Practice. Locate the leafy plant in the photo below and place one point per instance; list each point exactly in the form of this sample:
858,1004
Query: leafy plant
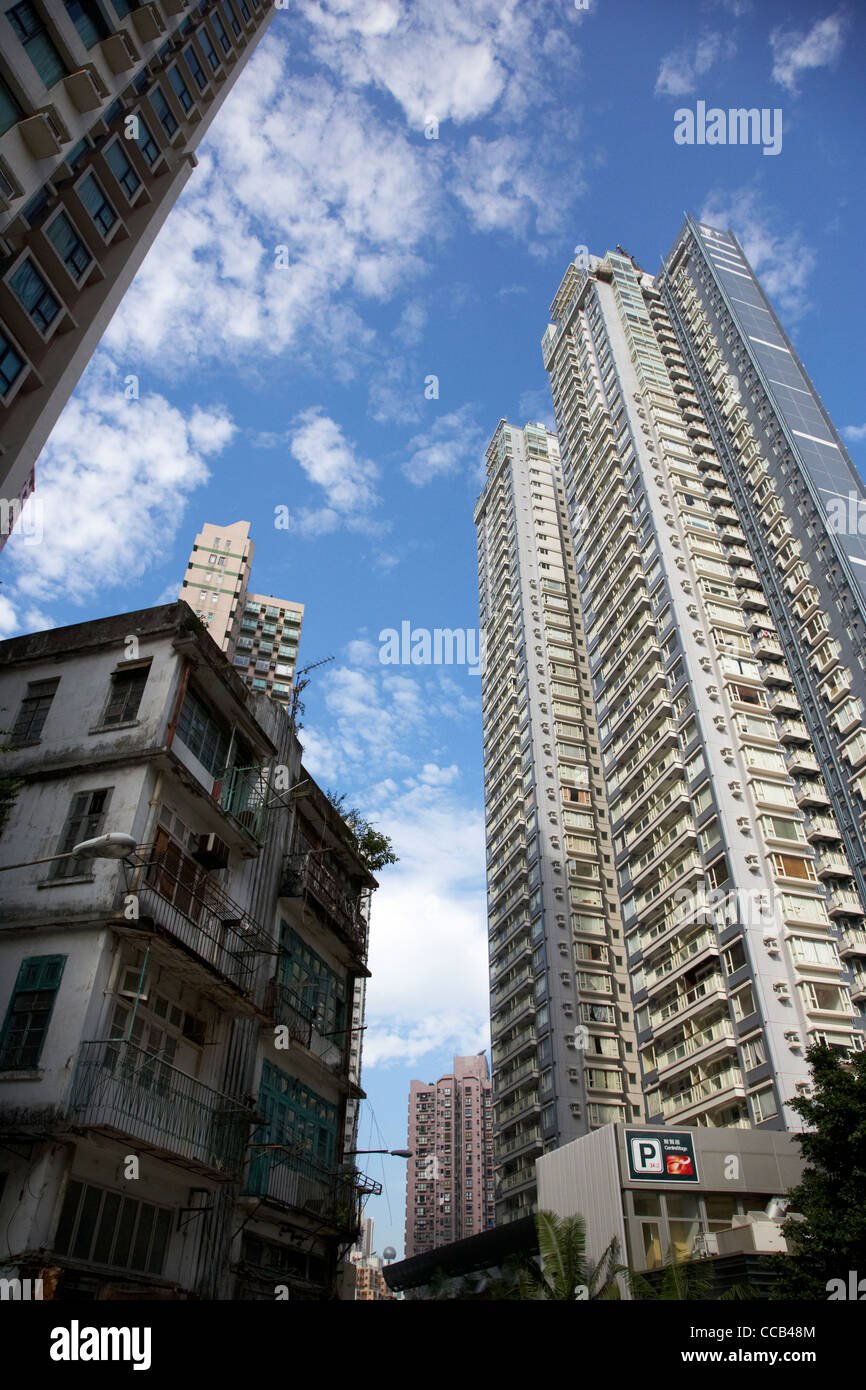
831,1195
373,848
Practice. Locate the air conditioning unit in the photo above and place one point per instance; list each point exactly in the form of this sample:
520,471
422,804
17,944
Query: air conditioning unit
211,852
574,1107
781,989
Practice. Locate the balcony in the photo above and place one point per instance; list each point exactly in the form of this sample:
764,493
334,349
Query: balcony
710,990
831,864
285,1177
721,1032
179,900
242,792
822,828
841,903
719,1089
128,1093
308,878
853,942
811,793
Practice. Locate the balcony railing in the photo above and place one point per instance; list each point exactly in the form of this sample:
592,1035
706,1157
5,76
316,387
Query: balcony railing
307,876
242,792
184,903
289,1009
127,1091
286,1178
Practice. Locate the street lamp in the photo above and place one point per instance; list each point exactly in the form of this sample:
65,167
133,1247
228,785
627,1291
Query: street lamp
395,1153
114,845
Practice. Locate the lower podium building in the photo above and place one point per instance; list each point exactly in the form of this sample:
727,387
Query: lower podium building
680,1193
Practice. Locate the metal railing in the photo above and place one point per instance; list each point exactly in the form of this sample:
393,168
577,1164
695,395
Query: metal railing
183,900
128,1091
243,794
306,875
280,1174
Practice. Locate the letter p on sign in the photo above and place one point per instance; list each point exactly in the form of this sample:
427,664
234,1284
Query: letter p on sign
646,1156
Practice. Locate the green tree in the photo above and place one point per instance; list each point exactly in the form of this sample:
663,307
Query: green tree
374,848
831,1195
565,1273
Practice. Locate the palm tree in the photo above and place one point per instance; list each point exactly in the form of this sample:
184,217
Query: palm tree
564,1272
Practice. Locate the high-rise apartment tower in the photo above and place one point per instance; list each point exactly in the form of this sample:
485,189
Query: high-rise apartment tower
449,1178
258,633
102,106
564,1051
725,717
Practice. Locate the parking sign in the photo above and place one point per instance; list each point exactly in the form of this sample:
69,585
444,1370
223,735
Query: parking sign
656,1156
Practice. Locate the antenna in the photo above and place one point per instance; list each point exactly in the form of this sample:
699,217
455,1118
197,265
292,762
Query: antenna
299,685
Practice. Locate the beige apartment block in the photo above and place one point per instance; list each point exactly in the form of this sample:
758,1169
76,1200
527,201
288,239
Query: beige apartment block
258,633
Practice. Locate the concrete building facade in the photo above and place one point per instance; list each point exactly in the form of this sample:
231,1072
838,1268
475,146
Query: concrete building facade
739,902
175,1058
102,107
563,1043
449,1178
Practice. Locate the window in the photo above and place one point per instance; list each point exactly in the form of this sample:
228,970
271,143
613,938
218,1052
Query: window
29,1012
11,364
37,43
33,294
208,49
85,820
204,736
69,246
164,113
34,710
10,111
195,67
110,1228
88,20
146,143
124,699
231,17
96,203
219,30
121,168
764,1105
181,90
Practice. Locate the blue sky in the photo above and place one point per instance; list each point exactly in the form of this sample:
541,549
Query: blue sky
408,257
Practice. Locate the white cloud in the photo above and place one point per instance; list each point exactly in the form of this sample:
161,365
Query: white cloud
776,251
114,479
796,51
455,60
347,481
428,937
504,185
536,407
453,442
296,172
680,70
855,433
